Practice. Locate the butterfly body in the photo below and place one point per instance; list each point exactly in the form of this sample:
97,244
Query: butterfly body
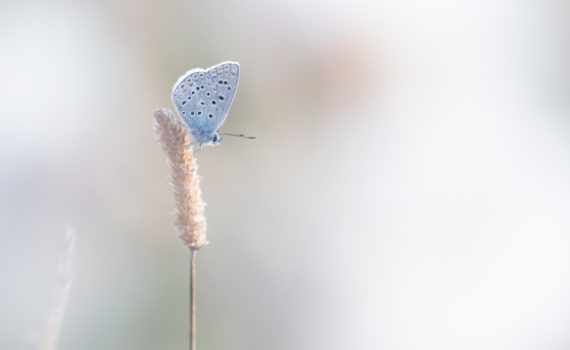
203,97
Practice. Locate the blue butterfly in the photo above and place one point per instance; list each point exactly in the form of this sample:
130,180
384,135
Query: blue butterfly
203,98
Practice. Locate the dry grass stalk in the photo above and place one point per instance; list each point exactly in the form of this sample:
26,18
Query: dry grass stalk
190,219
175,141
51,332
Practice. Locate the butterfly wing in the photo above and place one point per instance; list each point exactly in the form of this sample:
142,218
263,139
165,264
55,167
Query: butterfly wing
195,97
225,77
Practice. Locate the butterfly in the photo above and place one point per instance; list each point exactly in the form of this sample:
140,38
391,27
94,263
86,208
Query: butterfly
203,98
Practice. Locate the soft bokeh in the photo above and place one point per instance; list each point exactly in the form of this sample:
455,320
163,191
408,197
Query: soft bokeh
409,187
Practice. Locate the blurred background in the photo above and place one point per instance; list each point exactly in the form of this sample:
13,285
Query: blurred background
409,187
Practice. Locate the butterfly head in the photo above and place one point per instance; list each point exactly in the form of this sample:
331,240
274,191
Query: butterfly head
216,139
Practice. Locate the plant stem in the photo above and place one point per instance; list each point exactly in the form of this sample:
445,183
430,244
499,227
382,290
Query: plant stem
192,298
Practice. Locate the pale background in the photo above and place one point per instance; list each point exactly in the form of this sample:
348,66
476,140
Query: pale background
409,187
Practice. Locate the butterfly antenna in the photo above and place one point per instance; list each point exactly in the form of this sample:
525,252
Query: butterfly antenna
240,135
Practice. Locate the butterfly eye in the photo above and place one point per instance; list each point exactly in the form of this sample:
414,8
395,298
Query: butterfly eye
215,139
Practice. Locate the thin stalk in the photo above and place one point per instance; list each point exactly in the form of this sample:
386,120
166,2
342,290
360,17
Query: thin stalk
192,298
